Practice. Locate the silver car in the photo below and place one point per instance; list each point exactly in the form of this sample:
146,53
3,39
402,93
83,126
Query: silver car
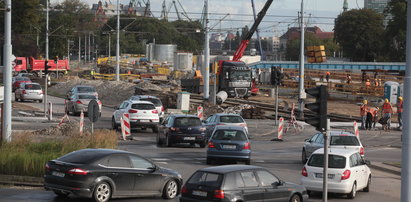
83,90
223,119
29,91
79,102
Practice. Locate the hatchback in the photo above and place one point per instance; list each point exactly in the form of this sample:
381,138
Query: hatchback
102,174
82,89
153,99
29,91
338,139
239,183
229,143
179,128
347,172
143,115
18,81
223,119
79,102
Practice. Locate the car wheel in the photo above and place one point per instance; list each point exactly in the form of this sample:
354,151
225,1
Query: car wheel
170,190
61,194
353,192
40,101
367,188
159,141
203,144
155,129
295,198
208,161
248,162
304,157
114,124
102,192
74,112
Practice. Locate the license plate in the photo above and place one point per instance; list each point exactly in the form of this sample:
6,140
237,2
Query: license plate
320,175
229,147
189,138
145,121
58,174
200,193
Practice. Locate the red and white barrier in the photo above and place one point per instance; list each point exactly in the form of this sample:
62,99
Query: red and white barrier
200,112
125,125
280,128
62,119
50,111
356,131
81,122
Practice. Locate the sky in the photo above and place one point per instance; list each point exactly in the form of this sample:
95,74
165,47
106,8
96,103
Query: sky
281,15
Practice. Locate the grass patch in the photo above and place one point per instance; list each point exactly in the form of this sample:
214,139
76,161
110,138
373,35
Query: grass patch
27,155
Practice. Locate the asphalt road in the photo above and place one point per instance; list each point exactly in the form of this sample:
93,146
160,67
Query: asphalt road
282,158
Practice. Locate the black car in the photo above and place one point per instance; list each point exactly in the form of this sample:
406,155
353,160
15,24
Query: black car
239,183
102,174
179,128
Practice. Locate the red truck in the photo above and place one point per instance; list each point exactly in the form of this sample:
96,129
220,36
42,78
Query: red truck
31,65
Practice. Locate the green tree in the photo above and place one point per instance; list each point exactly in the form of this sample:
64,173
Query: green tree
360,33
396,30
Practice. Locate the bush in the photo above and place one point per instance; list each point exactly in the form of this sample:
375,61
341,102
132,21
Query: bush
27,155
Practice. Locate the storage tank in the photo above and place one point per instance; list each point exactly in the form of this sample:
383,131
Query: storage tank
183,61
150,51
164,52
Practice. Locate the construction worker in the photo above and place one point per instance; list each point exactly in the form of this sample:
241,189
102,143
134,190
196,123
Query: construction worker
349,79
363,113
375,116
399,111
367,84
327,76
386,112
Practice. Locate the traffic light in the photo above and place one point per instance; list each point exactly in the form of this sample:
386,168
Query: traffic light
276,76
319,121
46,67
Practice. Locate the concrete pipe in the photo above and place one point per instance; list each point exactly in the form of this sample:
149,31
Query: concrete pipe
221,97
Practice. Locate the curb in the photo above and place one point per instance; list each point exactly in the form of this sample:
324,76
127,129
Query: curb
386,168
21,180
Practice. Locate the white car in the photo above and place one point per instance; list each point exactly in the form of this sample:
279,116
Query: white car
143,114
155,100
347,172
29,91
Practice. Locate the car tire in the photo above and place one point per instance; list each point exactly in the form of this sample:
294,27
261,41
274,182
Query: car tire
40,101
303,157
367,188
353,192
114,124
295,198
170,190
61,194
155,129
248,162
102,192
15,98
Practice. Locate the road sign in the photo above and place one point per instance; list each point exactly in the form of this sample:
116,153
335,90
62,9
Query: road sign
93,111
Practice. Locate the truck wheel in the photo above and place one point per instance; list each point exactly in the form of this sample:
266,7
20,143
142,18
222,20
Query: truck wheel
53,75
61,75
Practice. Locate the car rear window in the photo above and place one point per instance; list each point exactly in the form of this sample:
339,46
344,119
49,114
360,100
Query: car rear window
229,135
22,79
187,121
80,157
91,97
231,119
206,179
334,161
143,106
32,87
344,140
156,102
85,89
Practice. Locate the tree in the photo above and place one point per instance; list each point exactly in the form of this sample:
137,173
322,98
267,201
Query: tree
395,33
360,34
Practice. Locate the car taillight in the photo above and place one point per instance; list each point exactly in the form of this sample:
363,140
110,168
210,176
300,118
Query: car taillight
219,194
346,175
243,125
174,129
77,171
99,102
154,112
47,167
42,92
184,189
132,111
211,145
24,91
362,151
162,108
247,145
304,172
79,102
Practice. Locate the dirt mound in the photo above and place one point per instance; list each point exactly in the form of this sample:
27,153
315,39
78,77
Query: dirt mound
65,129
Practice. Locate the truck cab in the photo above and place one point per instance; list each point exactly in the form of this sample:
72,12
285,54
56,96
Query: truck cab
235,79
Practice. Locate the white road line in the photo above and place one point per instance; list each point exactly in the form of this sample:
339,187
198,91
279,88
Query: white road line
159,159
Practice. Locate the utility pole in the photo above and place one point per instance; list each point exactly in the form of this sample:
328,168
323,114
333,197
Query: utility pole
118,43
109,46
301,93
47,58
79,50
325,167
89,47
85,47
68,51
7,50
406,143
206,63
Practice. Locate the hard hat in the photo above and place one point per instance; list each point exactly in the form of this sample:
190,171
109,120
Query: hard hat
365,101
400,98
328,73
386,100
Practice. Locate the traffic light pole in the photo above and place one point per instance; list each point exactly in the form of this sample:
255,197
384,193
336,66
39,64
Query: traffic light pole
301,93
47,58
7,74
325,171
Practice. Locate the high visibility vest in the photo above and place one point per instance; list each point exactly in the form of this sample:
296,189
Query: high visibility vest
399,106
386,108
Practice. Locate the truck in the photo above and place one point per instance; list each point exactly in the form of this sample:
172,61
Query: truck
35,66
234,76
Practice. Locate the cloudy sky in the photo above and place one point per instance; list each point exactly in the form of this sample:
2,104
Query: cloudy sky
281,15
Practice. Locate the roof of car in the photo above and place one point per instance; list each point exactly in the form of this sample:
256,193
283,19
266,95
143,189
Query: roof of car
104,151
229,127
226,114
183,115
143,96
84,86
31,83
229,168
337,133
336,151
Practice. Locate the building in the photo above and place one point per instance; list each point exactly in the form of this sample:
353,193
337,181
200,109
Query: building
104,11
294,33
377,5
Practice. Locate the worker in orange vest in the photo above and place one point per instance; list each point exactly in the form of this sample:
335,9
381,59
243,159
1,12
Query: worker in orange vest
327,76
387,112
374,113
399,111
368,84
363,113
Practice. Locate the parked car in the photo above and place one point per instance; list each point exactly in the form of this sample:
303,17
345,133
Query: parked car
229,143
347,172
338,139
143,114
29,91
25,75
223,119
239,183
155,100
102,174
82,89
18,81
79,102
179,128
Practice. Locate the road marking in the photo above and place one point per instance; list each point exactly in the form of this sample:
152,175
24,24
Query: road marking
162,162
159,159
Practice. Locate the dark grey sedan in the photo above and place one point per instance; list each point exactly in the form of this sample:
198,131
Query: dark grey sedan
230,143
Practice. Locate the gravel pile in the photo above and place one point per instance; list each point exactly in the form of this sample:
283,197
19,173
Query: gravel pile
65,129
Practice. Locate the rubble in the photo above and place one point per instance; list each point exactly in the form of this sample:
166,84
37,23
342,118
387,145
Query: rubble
65,129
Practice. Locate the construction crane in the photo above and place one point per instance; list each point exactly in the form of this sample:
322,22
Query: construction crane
165,12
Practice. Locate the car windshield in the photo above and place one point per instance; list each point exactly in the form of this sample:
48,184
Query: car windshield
334,161
81,157
85,89
32,87
156,102
206,179
231,119
187,122
240,75
229,135
143,106
344,140
87,97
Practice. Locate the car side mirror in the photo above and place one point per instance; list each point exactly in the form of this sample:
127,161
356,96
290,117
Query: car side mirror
153,168
276,184
307,140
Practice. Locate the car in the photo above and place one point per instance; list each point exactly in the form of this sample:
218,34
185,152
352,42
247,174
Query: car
79,102
239,183
155,100
82,89
103,174
25,75
223,119
229,143
29,91
180,128
348,172
18,81
143,114
338,139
